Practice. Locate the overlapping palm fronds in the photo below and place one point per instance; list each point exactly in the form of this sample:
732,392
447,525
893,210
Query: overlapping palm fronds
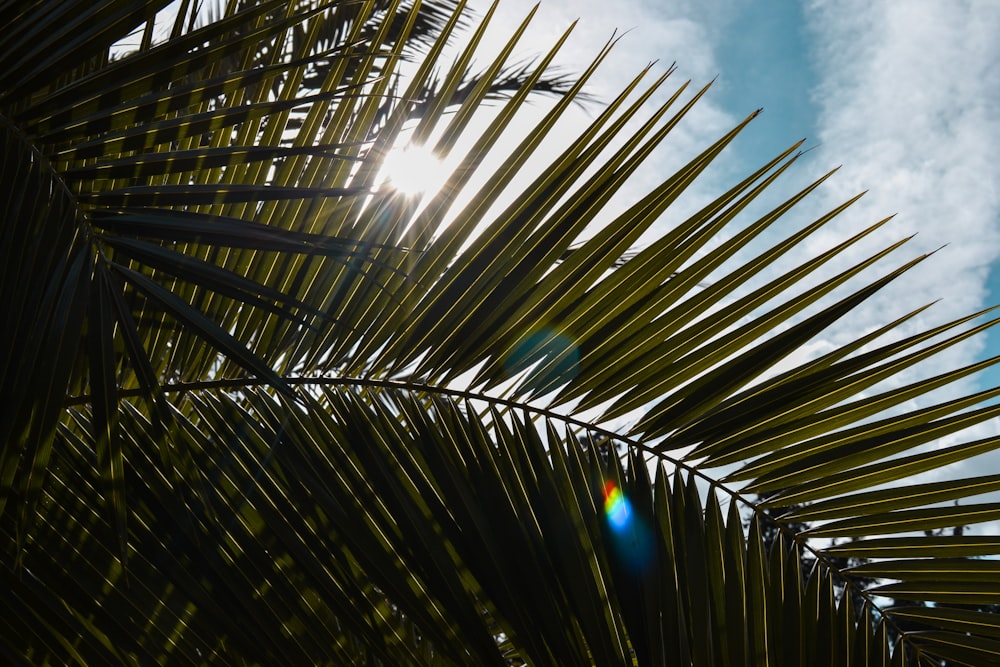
261,408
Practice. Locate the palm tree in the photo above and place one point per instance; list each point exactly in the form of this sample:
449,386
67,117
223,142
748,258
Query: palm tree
262,407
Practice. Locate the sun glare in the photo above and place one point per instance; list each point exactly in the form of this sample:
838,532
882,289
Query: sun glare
413,169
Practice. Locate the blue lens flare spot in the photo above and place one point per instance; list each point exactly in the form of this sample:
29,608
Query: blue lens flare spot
616,507
630,537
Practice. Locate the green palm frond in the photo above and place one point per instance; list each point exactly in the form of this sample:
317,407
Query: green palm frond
260,407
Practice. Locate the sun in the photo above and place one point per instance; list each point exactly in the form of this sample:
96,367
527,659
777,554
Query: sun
413,169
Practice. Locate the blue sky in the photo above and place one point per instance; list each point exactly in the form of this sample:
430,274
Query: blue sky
764,62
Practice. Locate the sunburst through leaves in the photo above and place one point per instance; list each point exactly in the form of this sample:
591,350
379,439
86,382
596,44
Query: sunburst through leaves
414,169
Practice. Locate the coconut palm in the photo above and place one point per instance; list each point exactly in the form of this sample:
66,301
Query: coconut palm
263,407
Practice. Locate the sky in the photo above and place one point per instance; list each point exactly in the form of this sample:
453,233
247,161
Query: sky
902,95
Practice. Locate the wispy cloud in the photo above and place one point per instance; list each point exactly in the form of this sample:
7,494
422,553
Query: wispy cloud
908,93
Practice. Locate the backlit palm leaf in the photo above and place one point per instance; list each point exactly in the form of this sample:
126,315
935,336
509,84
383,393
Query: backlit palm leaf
262,408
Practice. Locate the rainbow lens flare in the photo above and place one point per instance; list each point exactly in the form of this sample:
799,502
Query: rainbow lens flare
616,506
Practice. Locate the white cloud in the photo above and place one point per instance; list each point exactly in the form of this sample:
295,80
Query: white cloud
905,97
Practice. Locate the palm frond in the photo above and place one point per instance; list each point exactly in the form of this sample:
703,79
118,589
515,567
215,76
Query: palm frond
260,407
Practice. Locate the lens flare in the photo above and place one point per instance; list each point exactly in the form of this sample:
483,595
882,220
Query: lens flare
550,357
631,539
616,506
